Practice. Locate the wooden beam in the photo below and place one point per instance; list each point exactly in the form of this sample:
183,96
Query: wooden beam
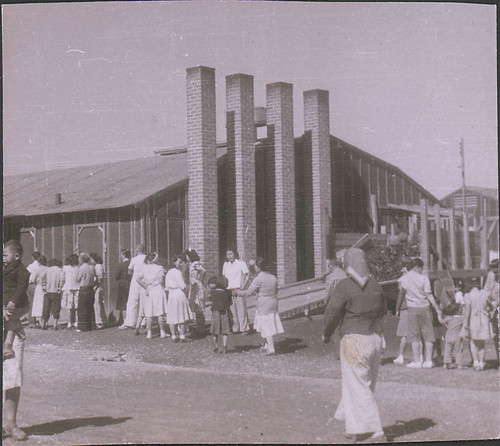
492,228
374,212
439,243
424,234
453,246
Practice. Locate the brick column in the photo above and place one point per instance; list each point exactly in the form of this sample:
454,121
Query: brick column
280,132
202,165
317,121
241,136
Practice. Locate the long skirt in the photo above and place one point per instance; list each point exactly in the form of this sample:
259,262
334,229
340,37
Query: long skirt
178,310
360,359
268,324
37,309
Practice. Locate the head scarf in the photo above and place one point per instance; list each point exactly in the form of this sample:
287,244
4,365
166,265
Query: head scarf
356,267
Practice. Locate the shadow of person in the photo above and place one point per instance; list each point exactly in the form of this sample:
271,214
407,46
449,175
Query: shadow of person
242,348
401,428
59,426
290,345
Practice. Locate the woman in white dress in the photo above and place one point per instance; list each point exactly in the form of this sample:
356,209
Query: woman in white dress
151,278
178,311
39,278
267,319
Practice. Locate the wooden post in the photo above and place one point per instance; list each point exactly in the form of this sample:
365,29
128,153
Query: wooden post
453,246
424,234
393,229
439,243
374,212
467,262
484,236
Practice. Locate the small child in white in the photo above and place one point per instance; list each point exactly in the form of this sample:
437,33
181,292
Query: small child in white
452,319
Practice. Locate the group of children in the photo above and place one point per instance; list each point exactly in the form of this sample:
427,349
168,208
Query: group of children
470,317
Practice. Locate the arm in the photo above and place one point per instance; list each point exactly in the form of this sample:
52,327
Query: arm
401,296
252,289
334,312
22,281
430,297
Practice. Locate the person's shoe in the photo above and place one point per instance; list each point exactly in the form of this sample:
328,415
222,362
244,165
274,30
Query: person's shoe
377,437
482,365
17,433
175,338
273,353
163,335
143,324
149,335
400,360
99,326
78,330
124,327
428,365
414,365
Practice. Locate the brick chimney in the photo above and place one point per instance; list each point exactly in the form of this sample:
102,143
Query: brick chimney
202,165
279,98
241,136
317,122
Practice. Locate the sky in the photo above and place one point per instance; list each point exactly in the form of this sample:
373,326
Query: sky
86,83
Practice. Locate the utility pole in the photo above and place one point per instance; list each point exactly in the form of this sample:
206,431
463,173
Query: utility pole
467,264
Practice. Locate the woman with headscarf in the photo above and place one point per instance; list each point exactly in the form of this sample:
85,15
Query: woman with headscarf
358,305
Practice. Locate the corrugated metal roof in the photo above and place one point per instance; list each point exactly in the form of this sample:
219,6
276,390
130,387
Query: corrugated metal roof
104,186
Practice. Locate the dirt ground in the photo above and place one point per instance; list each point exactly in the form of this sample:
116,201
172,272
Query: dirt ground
112,387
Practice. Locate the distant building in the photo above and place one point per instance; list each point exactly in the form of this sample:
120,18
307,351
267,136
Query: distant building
284,198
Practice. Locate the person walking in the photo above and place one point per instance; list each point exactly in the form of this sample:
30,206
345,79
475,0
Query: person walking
123,278
267,319
358,305
136,292
236,272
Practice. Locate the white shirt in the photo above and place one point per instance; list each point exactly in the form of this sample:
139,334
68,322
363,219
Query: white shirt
417,287
68,277
235,273
136,264
32,268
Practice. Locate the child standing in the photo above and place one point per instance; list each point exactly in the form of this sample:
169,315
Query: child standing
453,321
39,278
52,298
221,299
70,289
15,299
477,325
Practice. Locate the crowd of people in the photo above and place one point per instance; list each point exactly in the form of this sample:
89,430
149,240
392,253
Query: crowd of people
177,299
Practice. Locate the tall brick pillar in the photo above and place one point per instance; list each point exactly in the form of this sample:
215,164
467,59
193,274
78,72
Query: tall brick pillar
279,99
317,122
202,165
241,136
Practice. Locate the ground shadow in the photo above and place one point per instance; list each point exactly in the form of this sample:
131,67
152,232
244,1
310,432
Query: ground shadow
385,361
401,428
290,345
59,426
242,348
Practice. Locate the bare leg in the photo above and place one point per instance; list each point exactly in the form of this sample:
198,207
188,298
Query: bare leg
161,323
474,353
182,331
481,352
172,331
270,344
216,342
149,325
428,352
402,346
11,403
416,347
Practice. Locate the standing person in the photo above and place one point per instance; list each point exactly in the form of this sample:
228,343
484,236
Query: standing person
402,314
15,285
236,273
70,289
85,276
477,325
221,300
491,287
52,299
152,279
99,310
177,304
196,298
332,279
32,267
39,278
136,292
358,305
123,278
267,319
417,289
453,320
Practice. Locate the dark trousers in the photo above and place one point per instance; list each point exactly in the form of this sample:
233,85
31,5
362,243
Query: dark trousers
86,315
51,301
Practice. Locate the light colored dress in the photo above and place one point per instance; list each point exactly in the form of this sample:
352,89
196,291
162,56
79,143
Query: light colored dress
40,279
155,302
178,310
70,288
477,324
267,319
